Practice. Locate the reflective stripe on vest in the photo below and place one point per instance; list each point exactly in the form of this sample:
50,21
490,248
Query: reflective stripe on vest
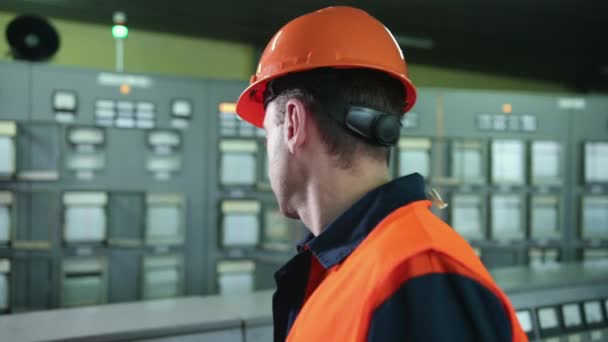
342,306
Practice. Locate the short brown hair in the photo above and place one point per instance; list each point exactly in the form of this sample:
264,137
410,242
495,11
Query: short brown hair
322,90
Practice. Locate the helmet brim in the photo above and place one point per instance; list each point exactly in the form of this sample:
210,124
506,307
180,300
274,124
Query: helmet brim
250,105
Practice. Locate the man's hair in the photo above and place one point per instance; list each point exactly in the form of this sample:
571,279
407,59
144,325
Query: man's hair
327,89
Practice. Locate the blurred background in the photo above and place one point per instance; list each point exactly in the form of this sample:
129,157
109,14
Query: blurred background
126,177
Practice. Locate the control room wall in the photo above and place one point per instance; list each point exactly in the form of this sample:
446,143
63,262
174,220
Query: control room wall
91,45
433,76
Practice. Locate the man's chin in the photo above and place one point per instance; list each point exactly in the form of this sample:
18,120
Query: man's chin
290,213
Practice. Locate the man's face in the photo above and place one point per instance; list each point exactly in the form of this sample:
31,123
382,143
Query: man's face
283,179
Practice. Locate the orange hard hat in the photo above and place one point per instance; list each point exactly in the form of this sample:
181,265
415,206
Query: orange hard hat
335,37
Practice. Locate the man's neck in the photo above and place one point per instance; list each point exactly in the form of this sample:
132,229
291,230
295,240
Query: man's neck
333,191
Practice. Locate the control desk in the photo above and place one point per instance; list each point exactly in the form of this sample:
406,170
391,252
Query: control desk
564,302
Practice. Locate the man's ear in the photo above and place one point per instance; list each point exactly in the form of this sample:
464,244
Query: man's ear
295,124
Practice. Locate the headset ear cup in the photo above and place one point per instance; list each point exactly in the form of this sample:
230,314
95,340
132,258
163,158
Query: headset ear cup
361,121
376,127
387,129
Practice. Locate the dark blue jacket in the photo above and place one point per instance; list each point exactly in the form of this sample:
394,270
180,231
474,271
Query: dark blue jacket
433,307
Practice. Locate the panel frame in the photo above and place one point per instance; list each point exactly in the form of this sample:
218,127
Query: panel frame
24,201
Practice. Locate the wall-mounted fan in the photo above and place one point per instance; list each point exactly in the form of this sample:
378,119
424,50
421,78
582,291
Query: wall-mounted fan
32,38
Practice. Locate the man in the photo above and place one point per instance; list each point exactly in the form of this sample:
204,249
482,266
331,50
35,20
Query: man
330,90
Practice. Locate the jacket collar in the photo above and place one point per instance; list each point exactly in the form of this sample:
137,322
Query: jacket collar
341,237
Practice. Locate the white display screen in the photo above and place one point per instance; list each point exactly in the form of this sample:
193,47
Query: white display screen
528,123
593,312
525,320
546,160
466,217
63,100
85,224
535,256
596,162
5,224
514,123
7,156
595,254
276,226
484,122
164,138
506,217
3,291
240,229
125,106
145,107
544,221
595,217
86,136
412,161
164,164
238,168
547,318
181,108
162,283
235,283
467,164
81,290
163,221
508,161
552,255
410,120
572,315
500,122
86,161
162,276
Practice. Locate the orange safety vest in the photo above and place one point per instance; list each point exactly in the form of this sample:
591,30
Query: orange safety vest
340,309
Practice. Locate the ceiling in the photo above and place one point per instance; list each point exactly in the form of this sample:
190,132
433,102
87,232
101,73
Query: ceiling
563,41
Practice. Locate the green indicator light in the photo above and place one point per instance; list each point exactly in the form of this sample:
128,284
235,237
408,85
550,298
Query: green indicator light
120,31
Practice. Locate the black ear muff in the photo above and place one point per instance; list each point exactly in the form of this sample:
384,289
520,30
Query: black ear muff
387,129
377,127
